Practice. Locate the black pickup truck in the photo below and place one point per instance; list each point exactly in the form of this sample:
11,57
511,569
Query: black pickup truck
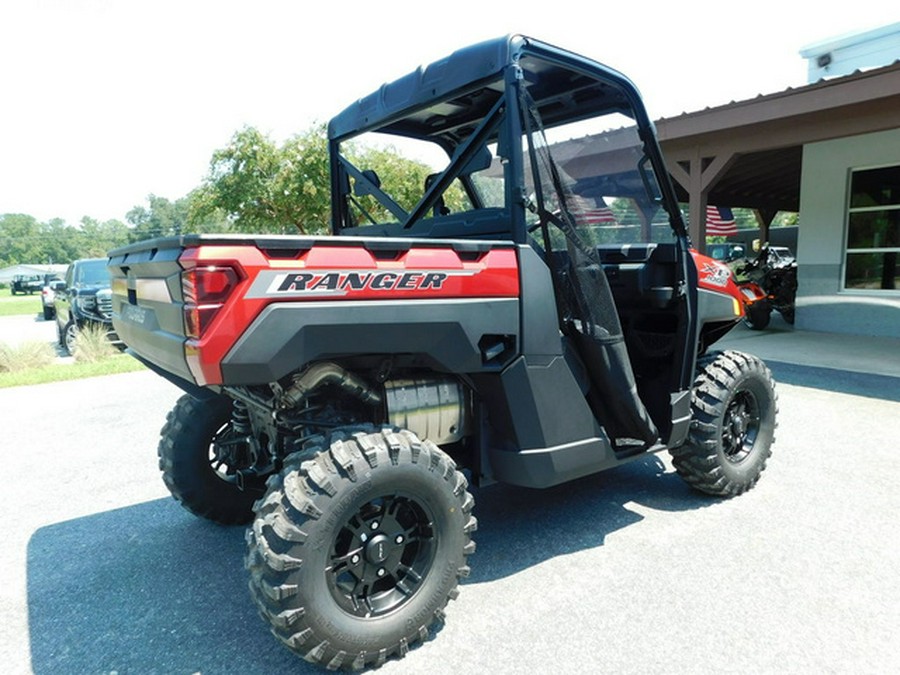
26,284
83,299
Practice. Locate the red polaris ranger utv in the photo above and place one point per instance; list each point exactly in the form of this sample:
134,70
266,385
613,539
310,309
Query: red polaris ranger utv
532,314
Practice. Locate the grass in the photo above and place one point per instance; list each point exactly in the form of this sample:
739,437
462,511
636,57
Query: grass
35,362
18,305
56,372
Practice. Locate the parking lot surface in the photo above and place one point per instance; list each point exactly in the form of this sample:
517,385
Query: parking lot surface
15,330
628,571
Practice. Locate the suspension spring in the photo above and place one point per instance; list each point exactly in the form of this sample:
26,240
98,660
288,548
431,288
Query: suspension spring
240,419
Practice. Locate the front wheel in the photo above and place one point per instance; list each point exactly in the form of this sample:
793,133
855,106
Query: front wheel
358,545
757,315
69,338
734,406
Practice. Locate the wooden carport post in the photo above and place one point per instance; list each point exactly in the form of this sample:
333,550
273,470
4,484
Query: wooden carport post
698,176
764,217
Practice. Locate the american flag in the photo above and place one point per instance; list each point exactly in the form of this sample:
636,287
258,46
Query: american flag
720,221
598,216
588,212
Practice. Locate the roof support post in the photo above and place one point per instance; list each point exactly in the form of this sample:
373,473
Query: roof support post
698,175
764,217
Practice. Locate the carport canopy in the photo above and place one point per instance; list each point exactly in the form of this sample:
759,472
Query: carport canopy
748,154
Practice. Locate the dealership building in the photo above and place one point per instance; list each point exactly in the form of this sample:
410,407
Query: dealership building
829,150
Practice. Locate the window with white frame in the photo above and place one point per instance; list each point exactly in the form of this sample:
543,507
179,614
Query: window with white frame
873,230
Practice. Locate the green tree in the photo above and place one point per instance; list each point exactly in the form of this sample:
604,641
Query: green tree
20,239
786,219
402,178
263,187
96,239
59,242
159,218
25,240
203,216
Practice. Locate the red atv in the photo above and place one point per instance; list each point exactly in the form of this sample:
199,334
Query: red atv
531,315
767,283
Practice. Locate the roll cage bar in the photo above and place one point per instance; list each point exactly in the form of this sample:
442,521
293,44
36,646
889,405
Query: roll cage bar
470,98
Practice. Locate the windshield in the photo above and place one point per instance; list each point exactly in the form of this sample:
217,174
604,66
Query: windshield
92,273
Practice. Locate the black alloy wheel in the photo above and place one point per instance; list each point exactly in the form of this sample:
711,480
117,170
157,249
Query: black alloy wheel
382,555
734,408
358,545
740,426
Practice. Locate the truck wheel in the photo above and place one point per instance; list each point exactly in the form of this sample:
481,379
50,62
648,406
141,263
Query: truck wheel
48,313
757,315
734,406
355,552
70,338
200,467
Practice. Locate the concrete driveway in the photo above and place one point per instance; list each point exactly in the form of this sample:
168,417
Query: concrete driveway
624,572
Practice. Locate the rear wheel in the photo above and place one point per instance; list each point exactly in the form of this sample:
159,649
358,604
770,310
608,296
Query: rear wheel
358,545
734,406
205,464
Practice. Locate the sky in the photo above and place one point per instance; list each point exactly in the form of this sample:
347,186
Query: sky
104,102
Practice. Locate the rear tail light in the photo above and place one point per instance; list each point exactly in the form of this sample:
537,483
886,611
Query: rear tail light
205,290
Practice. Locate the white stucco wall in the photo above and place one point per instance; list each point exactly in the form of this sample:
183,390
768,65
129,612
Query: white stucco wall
845,54
822,305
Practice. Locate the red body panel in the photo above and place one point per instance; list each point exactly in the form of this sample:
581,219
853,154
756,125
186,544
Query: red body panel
717,277
337,273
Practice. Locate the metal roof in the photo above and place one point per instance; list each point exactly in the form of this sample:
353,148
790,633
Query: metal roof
755,147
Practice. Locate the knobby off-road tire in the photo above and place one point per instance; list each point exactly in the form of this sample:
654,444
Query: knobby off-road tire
189,467
358,545
734,407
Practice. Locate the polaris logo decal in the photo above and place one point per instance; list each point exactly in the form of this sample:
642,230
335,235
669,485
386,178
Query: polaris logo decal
715,274
337,283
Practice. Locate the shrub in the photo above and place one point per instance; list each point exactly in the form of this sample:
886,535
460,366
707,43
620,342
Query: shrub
25,356
92,346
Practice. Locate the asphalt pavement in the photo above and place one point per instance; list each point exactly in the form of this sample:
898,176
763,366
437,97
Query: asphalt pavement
15,330
628,571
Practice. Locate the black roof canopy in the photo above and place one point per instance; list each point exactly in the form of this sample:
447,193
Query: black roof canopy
445,100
